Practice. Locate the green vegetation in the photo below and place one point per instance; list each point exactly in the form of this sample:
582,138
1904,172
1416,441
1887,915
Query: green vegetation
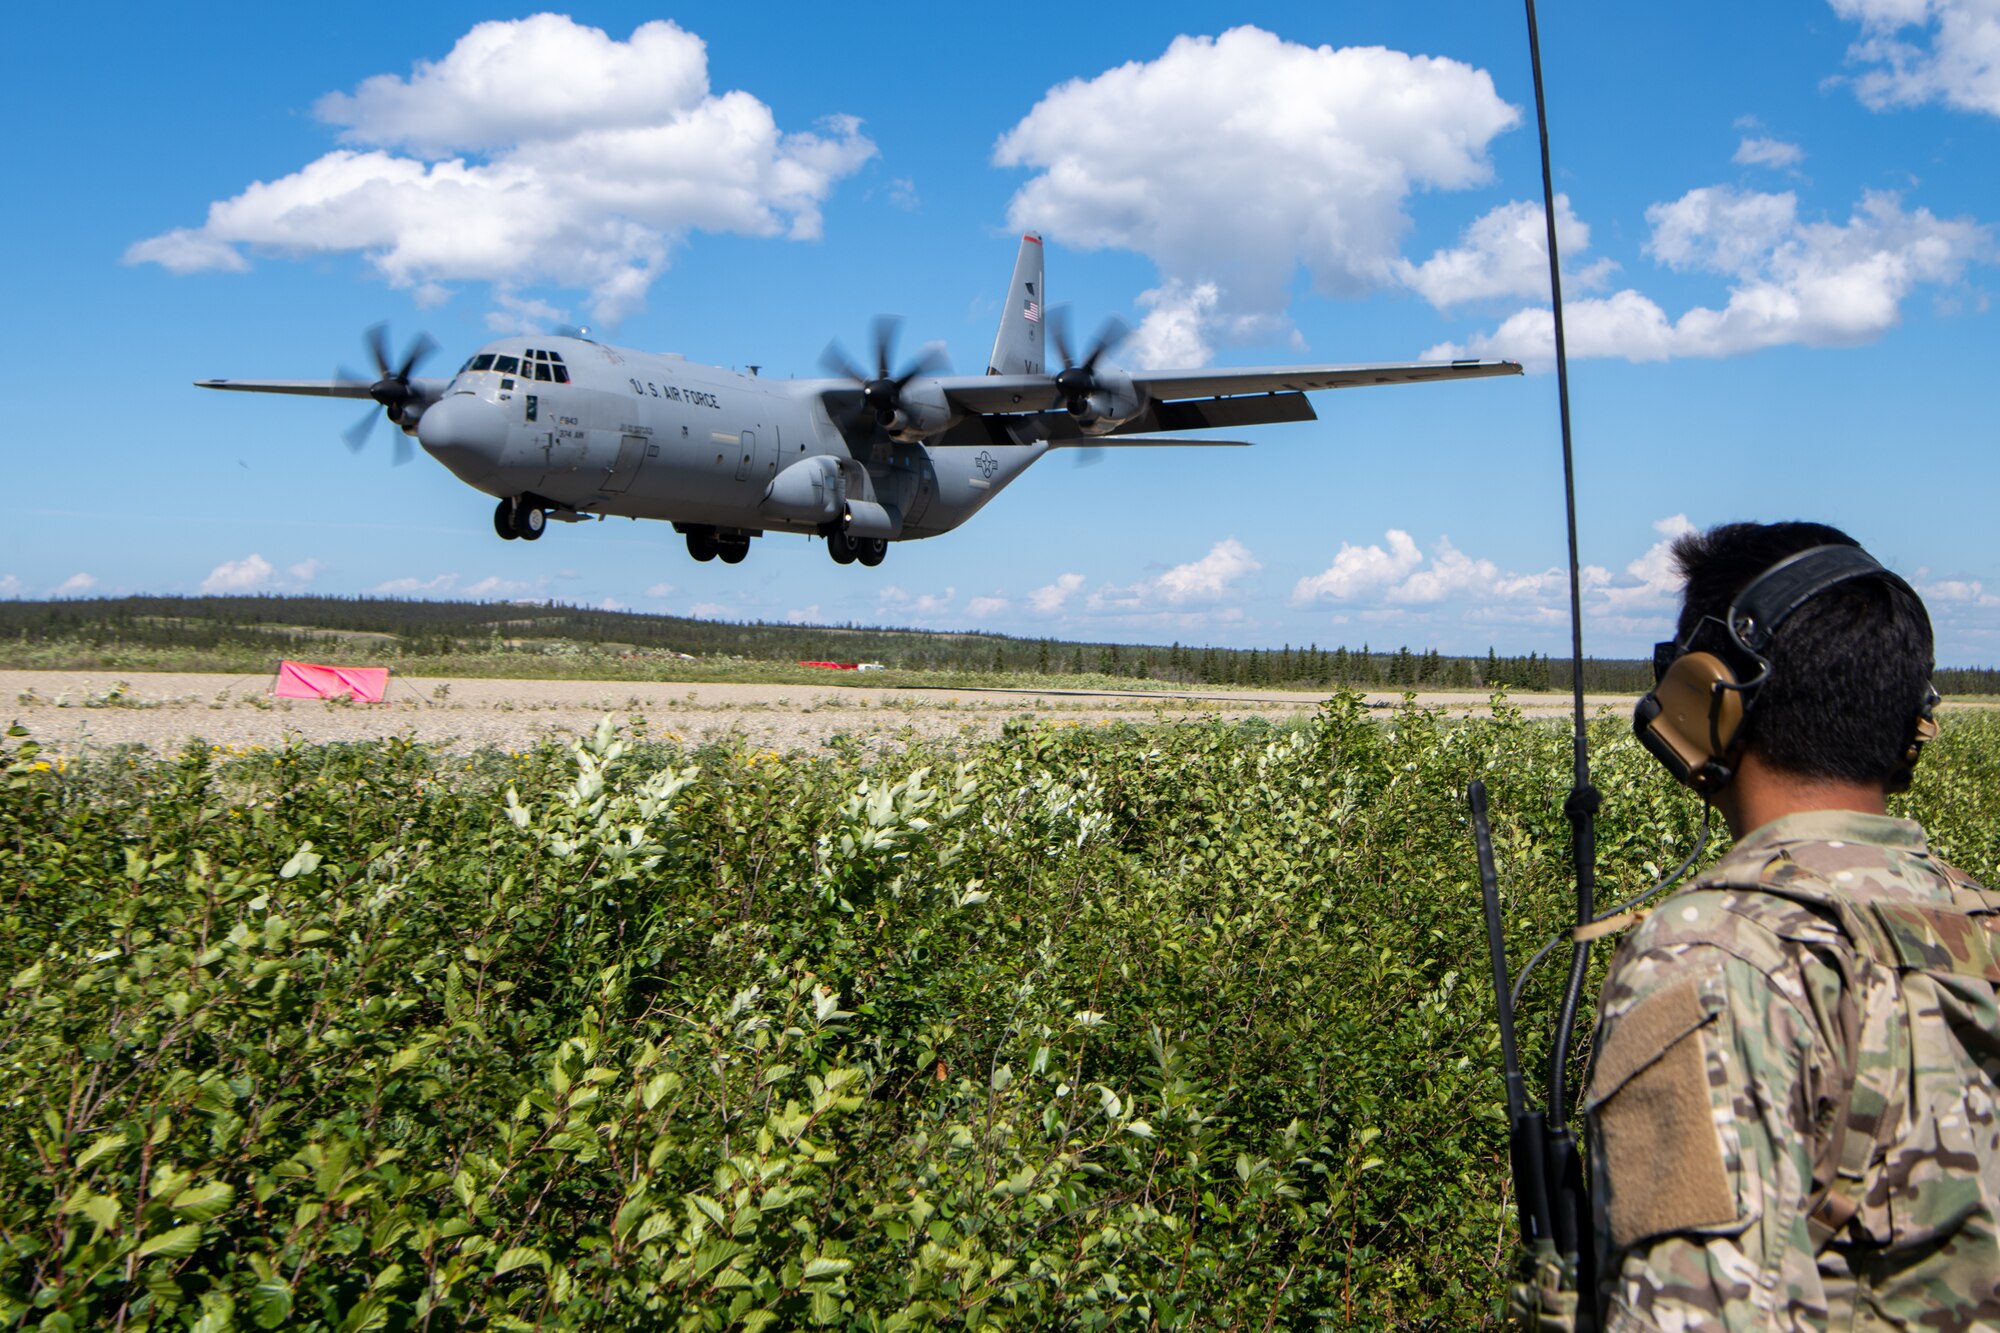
1177,1026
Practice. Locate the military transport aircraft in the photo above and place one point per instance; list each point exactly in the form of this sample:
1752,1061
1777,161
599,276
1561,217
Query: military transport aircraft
568,428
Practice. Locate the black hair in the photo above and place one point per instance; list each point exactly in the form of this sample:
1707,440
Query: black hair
1850,669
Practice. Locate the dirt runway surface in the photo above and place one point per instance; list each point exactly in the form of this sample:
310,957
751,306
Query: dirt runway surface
70,712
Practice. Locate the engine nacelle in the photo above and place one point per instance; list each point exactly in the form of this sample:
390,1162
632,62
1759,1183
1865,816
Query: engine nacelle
1113,400
921,411
811,489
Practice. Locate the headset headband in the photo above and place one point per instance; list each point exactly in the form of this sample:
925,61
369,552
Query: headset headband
1760,609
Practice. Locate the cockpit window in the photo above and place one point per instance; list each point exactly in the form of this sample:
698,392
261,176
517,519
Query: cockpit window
467,366
484,361
562,373
507,365
542,371
556,357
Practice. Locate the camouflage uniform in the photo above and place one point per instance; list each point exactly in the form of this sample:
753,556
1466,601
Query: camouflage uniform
1792,1108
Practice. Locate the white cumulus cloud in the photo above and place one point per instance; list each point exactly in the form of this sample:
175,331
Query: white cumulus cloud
1657,582
1955,58
1453,575
10,585
1392,582
1359,570
1760,151
1209,579
493,586
901,602
1959,591
1506,253
1721,229
1236,160
76,585
539,150
805,615
1821,284
982,607
245,575
1053,597
415,587
660,590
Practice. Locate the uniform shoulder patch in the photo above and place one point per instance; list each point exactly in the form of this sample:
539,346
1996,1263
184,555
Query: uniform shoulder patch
1650,1096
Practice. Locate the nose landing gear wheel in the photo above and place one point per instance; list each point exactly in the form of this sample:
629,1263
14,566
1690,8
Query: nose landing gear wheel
870,550
842,548
529,522
732,552
701,545
503,521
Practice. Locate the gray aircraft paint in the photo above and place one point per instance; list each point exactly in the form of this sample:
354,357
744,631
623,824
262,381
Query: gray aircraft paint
654,435
1018,346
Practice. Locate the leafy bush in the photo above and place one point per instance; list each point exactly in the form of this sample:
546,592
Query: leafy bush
1181,1025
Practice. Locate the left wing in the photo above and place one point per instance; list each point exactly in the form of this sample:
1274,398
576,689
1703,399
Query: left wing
1036,393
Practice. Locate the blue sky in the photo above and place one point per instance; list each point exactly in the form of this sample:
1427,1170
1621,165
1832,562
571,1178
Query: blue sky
1779,228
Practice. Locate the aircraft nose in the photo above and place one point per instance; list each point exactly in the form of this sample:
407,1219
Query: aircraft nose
465,433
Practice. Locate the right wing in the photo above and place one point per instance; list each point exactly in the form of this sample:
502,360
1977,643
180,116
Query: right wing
316,388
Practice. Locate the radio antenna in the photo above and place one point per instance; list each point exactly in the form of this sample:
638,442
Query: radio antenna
1548,1170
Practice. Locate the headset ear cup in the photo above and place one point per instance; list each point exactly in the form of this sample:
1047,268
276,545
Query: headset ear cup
1922,732
1692,720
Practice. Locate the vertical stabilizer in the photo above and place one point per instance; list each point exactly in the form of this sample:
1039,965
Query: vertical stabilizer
1017,349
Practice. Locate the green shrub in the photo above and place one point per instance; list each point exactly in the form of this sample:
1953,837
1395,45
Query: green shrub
1176,1025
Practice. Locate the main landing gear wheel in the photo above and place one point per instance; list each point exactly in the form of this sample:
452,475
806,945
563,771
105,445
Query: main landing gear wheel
701,545
529,522
503,521
870,550
733,551
843,548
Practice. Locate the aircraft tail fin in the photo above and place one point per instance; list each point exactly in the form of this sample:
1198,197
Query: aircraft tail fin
1017,349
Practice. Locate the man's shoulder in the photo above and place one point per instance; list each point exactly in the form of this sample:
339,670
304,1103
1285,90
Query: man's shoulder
1792,895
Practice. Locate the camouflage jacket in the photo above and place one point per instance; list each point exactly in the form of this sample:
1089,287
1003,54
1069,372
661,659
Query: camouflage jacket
1792,1105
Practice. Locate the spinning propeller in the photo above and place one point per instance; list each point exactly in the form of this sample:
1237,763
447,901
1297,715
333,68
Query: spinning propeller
391,389
1078,380
881,396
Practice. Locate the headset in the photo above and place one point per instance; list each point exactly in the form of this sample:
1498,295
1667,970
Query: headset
1695,718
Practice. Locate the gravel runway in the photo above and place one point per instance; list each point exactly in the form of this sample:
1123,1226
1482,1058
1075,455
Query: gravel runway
70,712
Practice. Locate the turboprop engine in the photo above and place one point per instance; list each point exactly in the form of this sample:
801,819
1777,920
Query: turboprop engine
1113,400
918,411
1099,400
909,407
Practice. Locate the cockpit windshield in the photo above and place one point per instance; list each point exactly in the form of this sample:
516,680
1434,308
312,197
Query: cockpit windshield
533,363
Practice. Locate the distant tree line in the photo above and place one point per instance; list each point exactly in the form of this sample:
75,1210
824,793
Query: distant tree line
313,625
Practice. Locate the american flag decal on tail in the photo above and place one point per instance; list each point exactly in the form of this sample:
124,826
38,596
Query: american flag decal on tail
1032,311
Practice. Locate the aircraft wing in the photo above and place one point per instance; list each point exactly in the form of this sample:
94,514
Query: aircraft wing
1034,393
1214,382
316,388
